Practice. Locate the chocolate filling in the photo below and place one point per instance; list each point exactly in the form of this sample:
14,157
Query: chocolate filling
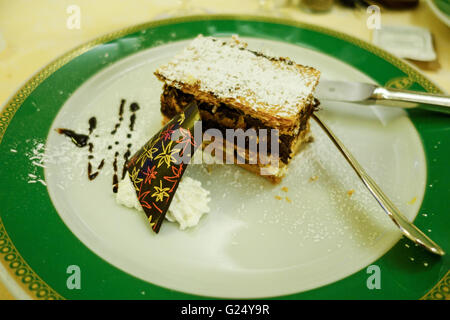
223,117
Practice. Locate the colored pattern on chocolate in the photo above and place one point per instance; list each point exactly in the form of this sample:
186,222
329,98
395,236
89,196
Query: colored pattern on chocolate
156,169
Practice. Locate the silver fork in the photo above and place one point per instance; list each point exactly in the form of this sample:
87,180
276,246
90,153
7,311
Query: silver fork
406,227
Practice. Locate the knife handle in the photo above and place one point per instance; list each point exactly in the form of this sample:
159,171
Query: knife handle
423,100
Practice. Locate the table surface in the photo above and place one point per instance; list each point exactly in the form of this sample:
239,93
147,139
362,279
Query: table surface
34,32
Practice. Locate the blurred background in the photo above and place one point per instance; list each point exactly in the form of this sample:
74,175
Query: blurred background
34,32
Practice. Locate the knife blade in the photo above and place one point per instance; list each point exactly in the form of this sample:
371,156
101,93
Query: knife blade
344,91
370,93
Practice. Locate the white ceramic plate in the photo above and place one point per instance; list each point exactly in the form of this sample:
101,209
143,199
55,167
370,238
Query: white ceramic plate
251,244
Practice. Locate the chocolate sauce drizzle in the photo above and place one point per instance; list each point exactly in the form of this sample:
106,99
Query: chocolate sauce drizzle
93,175
115,177
134,107
121,108
92,125
126,156
82,140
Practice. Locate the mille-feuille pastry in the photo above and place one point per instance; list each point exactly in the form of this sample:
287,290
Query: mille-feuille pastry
237,88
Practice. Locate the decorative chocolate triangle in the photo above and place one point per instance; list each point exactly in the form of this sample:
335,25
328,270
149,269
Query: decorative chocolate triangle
156,169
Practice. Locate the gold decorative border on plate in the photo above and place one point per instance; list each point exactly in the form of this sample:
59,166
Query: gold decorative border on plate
33,283
25,276
441,291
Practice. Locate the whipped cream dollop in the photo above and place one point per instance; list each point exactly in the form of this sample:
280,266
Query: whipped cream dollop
188,205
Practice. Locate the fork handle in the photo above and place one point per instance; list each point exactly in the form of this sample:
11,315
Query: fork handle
406,227
413,99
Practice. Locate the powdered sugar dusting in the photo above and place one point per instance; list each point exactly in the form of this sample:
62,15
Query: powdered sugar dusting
228,70
312,205
39,156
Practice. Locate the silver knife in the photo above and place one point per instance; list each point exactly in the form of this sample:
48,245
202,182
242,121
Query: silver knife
371,93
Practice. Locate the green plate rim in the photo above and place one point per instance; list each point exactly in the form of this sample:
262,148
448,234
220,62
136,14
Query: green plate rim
38,288
437,7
